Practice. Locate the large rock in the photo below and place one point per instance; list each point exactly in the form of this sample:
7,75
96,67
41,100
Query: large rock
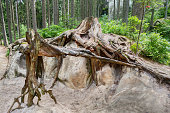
50,66
106,76
74,71
17,65
138,92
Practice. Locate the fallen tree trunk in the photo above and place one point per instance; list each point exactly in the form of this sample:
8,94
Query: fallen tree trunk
94,45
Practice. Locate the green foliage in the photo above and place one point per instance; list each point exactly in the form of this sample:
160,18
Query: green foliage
23,30
163,28
52,31
114,27
155,47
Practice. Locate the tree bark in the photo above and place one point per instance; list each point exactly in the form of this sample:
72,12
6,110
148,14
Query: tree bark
56,12
152,17
125,11
44,13
13,18
28,18
72,9
137,9
68,10
118,9
48,13
34,22
114,10
166,10
3,25
9,20
17,19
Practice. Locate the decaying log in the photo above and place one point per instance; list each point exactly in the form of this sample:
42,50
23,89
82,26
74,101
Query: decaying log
93,45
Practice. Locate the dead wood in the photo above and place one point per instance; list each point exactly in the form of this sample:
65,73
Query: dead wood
93,45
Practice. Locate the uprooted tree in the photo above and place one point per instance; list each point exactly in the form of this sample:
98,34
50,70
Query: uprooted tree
99,48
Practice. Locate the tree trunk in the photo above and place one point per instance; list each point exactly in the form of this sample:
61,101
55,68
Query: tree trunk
56,12
63,11
9,20
114,10
68,10
152,17
118,9
34,22
125,11
137,9
48,13
72,9
17,19
13,18
44,13
28,18
166,9
3,25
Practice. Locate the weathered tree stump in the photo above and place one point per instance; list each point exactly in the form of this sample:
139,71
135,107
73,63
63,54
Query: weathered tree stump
98,47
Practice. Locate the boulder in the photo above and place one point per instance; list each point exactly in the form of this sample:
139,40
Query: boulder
138,92
74,71
17,65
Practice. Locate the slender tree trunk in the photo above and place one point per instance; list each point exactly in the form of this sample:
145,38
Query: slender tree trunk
118,9
13,19
56,12
34,22
28,18
166,9
63,11
152,17
9,20
114,10
3,25
68,9
125,11
140,30
44,13
16,9
48,13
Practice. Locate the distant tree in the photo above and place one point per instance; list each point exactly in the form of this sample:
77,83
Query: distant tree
114,10
33,9
118,9
68,9
63,11
137,9
166,9
13,19
3,25
44,13
125,11
17,19
28,18
56,12
48,12
9,19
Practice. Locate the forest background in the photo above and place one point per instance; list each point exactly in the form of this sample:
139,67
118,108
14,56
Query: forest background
145,22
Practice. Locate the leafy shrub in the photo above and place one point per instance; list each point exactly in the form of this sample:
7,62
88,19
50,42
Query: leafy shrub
163,28
52,31
114,27
155,47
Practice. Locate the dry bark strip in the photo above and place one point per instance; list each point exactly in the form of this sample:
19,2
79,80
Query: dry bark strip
96,46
